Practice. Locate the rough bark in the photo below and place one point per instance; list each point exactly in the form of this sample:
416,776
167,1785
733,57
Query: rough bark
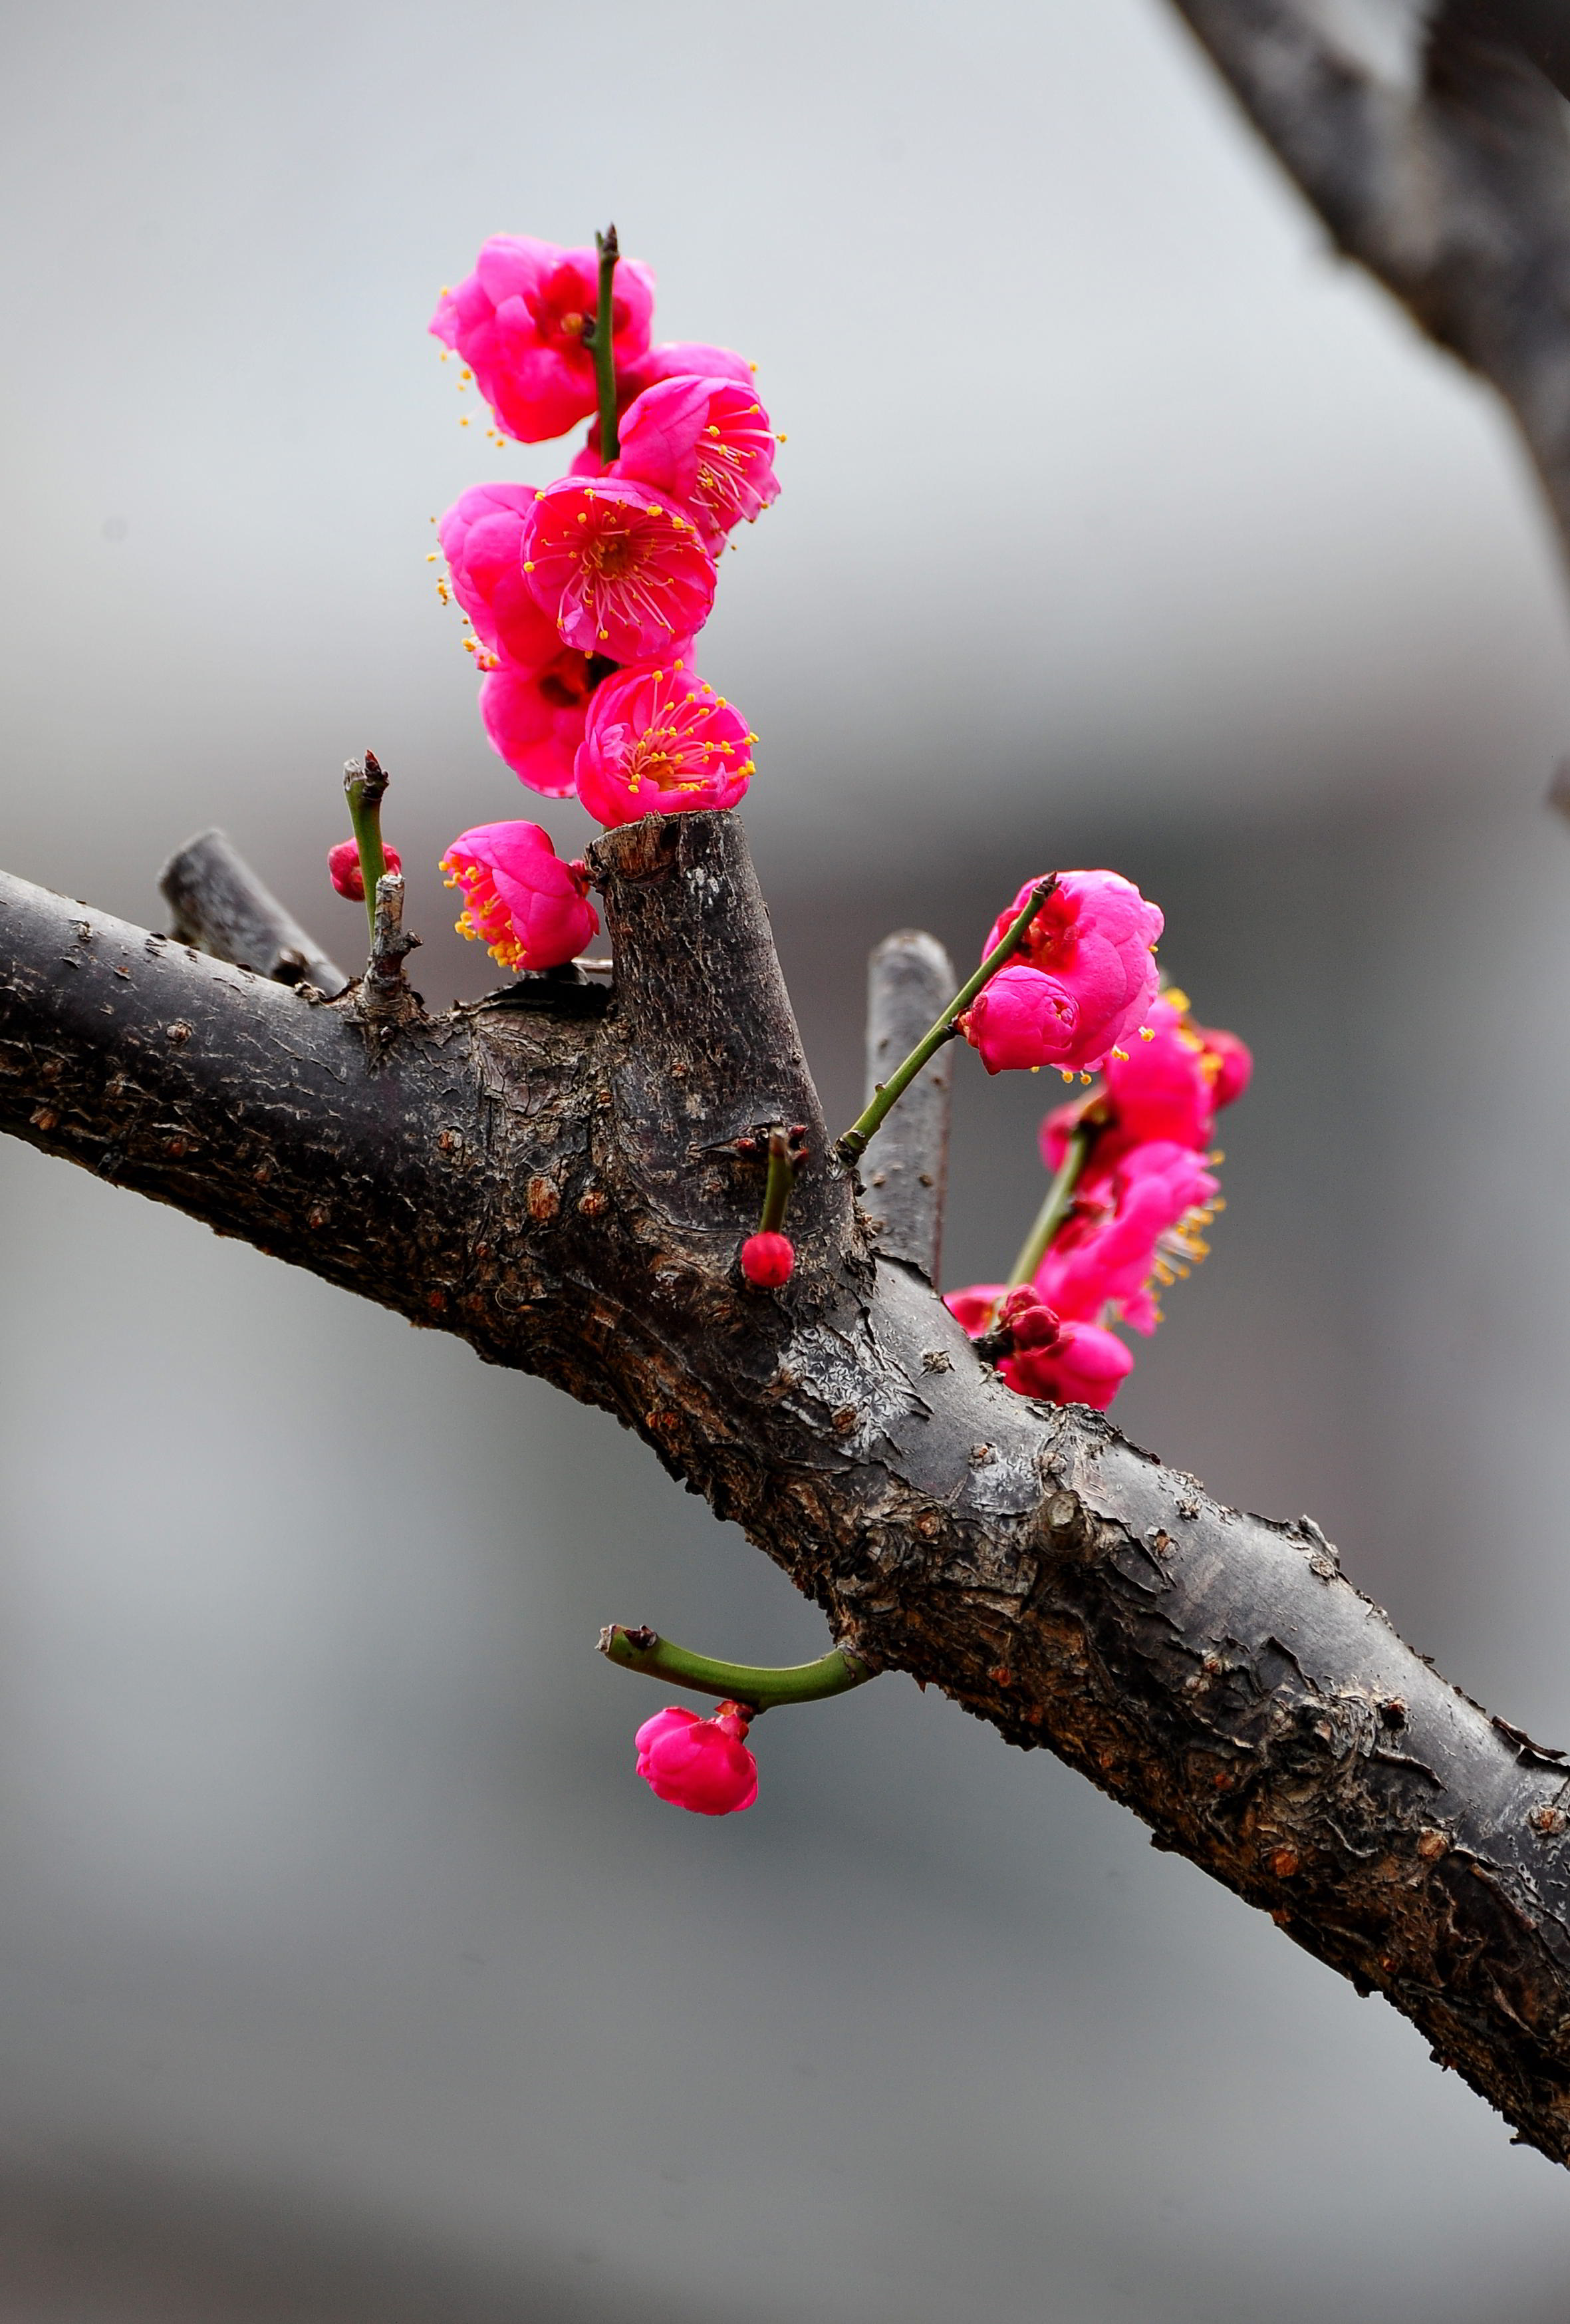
1449,181
563,1178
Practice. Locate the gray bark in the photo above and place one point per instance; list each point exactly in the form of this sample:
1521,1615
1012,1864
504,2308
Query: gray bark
563,1178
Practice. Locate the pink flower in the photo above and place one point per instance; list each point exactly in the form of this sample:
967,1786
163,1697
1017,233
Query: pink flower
1058,1361
1230,1063
707,442
1170,1086
683,358
658,741
767,1260
677,358
1141,1225
1084,1365
620,570
1080,984
700,1764
343,868
521,322
480,537
530,908
534,715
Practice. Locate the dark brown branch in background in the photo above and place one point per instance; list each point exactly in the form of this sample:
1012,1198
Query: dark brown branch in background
220,905
1451,186
906,1169
565,1183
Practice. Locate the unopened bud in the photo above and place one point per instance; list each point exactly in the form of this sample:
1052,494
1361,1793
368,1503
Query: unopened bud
767,1260
343,866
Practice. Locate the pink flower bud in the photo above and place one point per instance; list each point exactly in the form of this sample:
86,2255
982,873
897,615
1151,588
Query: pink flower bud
658,741
620,570
702,1765
1086,1364
1062,1363
519,898
767,1260
521,320
343,868
1080,984
1028,1318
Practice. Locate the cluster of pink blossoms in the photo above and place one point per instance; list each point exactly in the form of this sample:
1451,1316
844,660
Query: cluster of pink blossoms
583,599
1144,1193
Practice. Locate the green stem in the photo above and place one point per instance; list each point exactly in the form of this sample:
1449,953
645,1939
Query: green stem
757,1687
1055,1209
364,787
857,1138
776,1194
605,345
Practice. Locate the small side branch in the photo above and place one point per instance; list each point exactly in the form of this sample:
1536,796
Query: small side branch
909,977
221,906
385,995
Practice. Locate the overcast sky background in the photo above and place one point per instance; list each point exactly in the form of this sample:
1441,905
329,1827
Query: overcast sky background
346,1971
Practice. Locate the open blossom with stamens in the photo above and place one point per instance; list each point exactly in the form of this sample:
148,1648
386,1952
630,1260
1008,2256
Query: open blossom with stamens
658,741
1170,1086
620,569
676,359
1060,1359
1081,983
1131,1232
530,908
702,1765
708,442
521,323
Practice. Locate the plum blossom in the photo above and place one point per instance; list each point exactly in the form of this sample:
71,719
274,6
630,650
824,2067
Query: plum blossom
768,1260
1170,1085
344,872
1081,983
1086,1364
676,359
658,741
521,323
530,908
708,443
702,1765
1059,1361
619,569
534,715
480,537
1142,1226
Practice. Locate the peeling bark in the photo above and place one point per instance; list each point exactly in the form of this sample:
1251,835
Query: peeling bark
554,1174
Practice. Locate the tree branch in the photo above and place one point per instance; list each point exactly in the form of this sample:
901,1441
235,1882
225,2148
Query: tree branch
1450,185
906,1169
559,1180
220,905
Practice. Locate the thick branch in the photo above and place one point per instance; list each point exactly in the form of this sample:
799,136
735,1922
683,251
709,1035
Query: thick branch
906,1169
566,1191
1451,186
220,905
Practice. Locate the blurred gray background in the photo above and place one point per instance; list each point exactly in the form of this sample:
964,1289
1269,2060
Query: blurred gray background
346,1971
